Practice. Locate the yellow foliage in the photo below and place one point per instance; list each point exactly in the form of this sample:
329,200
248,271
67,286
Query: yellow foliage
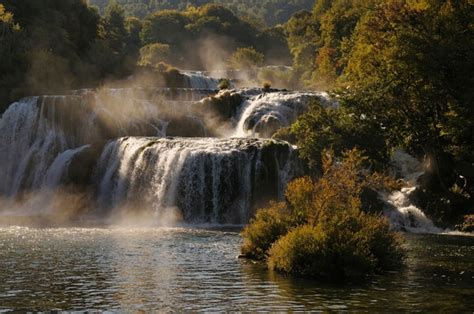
418,5
7,18
268,226
322,229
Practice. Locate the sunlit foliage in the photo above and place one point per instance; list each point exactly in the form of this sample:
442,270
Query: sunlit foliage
246,58
402,70
322,229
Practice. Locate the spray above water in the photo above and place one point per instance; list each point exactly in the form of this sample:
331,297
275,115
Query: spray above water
210,180
52,147
201,180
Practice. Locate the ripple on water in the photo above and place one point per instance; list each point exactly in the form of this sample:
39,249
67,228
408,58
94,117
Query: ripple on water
187,269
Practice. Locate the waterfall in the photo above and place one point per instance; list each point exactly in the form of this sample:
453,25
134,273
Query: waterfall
209,180
111,145
33,132
200,81
56,171
261,115
40,134
402,213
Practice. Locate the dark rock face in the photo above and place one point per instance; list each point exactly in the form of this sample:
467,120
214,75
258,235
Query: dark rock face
81,168
371,201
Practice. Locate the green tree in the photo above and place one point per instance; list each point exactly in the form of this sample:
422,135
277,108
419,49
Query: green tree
115,27
339,129
410,69
62,32
153,54
167,27
246,58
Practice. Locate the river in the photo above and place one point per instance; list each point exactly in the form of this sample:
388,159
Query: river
187,269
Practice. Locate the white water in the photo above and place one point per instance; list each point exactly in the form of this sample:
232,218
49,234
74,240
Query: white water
200,81
39,135
403,214
207,180
33,133
261,115
210,180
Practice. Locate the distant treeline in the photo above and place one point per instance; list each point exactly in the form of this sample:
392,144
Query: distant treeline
271,12
50,46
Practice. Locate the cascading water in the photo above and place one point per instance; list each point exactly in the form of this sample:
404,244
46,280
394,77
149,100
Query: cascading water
38,133
56,171
205,180
33,132
261,115
210,180
200,81
403,215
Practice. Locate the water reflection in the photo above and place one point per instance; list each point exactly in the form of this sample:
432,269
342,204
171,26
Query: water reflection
184,269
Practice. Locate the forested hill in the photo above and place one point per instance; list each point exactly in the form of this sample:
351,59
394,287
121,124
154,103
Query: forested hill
272,12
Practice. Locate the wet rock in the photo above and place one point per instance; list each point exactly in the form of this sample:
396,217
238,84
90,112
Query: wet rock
186,126
81,168
225,104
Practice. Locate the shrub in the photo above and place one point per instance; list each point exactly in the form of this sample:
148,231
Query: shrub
299,195
163,67
301,251
284,134
224,84
351,243
278,76
267,227
467,225
267,86
153,54
322,229
340,129
246,59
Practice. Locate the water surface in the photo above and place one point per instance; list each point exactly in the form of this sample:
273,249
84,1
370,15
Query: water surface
186,269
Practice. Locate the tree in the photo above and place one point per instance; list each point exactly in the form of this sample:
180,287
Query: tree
410,68
153,54
167,27
60,31
246,58
339,129
115,27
